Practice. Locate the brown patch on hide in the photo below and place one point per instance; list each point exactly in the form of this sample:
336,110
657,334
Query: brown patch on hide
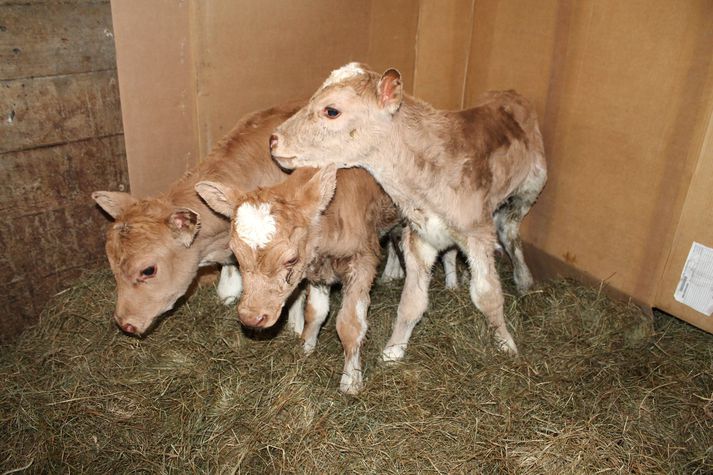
486,129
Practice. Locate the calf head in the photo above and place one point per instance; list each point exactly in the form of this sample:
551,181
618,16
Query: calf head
345,120
273,234
150,254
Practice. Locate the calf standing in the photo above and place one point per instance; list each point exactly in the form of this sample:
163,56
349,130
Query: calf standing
156,245
303,228
458,177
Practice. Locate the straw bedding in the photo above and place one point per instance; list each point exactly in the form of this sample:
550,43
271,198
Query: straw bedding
598,388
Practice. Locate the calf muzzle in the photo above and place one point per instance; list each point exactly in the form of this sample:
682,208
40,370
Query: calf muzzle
253,319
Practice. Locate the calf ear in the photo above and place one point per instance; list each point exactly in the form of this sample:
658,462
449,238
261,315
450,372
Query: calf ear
113,202
184,224
320,188
217,196
390,90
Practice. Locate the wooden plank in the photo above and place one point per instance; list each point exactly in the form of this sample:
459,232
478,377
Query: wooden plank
52,229
49,177
58,109
18,309
46,251
55,38
14,3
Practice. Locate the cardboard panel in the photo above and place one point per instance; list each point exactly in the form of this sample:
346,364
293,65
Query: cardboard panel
252,55
513,47
154,58
256,54
444,36
393,27
617,136
695,224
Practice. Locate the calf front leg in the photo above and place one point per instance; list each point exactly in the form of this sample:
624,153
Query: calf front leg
419,257
315,314
296,313
230,285
485,289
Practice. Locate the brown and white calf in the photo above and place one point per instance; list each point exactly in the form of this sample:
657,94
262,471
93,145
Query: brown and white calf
155,246
459,177
319,225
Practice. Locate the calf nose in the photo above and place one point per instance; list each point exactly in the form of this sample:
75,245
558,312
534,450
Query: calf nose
273,141
252,320
129,328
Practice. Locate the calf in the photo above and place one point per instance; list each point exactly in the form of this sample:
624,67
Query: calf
320,225
459,177
156,245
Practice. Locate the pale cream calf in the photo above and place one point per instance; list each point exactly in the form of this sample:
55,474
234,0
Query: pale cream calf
318,225
155,246
458,177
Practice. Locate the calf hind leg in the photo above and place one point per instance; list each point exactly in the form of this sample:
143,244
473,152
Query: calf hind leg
351,320
450,269
508,217
485,289
315,314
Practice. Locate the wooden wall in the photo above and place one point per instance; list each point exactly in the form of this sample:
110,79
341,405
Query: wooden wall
60,138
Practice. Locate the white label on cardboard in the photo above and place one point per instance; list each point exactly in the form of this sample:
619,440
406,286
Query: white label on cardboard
695,288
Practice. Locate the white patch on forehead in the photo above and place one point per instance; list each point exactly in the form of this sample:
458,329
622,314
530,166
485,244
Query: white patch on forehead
255,225
345,72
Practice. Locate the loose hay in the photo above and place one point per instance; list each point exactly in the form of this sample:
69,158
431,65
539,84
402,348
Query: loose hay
595,389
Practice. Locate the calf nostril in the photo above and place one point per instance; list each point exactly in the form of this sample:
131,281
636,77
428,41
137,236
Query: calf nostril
273,141
129,328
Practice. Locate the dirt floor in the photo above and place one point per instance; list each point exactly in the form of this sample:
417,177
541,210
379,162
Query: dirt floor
597,388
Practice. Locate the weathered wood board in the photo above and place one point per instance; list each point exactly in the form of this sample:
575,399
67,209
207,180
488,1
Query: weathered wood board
61,137
56,38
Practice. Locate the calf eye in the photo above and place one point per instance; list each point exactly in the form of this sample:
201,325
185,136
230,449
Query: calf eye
331,112
149,271
292,262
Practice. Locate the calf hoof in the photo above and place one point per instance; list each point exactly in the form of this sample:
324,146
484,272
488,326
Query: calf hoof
308,347
523,282
395,273
393,353
451,281
506,344
351,384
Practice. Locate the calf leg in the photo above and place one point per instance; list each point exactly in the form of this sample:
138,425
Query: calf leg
507,221
351,320
419,257
449,268
485,289
392,269
230,285
296,313
315,314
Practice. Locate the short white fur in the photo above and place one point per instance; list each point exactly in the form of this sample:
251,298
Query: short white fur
255,225
345,72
